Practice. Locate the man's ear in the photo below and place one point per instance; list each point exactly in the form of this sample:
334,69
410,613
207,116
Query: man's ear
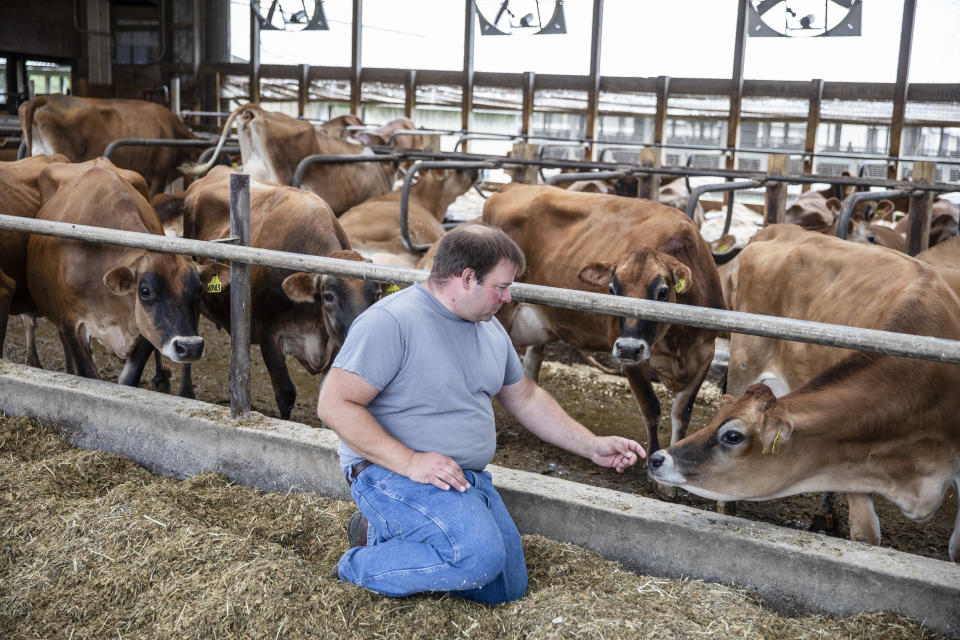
599,274
302,287
120,280
466,276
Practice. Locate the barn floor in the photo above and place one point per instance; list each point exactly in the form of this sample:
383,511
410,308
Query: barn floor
94,546
600,401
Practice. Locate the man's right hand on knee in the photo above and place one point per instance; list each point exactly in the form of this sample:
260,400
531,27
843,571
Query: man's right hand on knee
437,469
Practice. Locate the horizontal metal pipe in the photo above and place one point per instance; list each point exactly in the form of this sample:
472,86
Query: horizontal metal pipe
843,220
205,156
341,159
594,175
887,342
695,193
152,142
681,171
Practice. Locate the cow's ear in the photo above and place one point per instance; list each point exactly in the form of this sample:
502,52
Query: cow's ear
214,276
834,205
681,278
774,433
120,280
302,287
885,210
599,274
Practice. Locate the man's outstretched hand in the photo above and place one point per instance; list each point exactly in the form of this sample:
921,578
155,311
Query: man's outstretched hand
616,452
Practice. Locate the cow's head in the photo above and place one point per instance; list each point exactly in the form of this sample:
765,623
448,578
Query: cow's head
744,453
647,273
438,188
342,299
167,290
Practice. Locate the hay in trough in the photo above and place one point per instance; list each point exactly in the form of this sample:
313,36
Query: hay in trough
94,546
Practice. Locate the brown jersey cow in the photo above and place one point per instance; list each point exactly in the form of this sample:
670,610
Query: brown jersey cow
82,128
130,300
813,418
272,144
300,314
628,247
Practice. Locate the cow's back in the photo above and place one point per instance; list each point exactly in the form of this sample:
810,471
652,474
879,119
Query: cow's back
793,273
561,231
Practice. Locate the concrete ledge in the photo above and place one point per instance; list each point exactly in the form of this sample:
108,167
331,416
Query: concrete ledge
792,569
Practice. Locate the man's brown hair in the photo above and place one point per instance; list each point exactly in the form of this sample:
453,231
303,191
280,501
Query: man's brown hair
478,247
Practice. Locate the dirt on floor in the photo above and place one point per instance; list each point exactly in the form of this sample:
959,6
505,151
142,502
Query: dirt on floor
94,546
601,401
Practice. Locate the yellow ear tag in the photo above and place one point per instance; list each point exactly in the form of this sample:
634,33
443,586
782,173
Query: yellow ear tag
722,247
775,446
392,289
678,287
214,286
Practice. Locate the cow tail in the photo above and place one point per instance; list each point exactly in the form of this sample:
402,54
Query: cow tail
26,122
195,169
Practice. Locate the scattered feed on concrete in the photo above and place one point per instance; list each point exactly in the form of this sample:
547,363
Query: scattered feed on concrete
94,546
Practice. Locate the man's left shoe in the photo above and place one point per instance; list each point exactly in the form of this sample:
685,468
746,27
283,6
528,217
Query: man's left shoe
357,530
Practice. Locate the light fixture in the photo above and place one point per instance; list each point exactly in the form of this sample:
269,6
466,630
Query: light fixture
556,25
272,17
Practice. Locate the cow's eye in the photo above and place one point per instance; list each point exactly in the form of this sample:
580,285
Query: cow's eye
732,437
662,293
329,298
145,293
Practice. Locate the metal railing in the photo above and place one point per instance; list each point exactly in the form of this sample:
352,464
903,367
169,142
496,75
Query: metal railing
871,340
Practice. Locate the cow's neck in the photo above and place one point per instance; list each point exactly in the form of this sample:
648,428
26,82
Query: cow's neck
853,425
430,195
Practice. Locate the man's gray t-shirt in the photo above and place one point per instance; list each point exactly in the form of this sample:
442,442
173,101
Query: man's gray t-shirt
436,374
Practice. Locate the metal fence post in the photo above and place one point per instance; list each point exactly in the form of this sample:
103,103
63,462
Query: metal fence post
775,203
240,298
648,186
918,225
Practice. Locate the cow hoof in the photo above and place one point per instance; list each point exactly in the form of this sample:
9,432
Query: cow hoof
668,493
727,508
161,381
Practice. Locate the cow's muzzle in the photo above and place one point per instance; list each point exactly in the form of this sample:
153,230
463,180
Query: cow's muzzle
185,349
631,350
662,468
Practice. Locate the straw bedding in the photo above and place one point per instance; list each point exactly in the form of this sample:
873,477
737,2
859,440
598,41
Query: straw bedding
94,546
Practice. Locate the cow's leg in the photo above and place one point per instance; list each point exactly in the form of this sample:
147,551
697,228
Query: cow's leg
186,381
78,357
532,361
7,288
30,324
161,375
864,525
826,520
682,408
136,361
638,376
283,390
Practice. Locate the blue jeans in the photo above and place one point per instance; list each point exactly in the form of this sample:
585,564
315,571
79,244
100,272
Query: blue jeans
421,538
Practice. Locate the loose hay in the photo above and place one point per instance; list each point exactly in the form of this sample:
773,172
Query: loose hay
94,546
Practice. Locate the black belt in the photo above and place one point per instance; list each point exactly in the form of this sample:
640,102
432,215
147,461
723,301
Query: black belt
355,470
